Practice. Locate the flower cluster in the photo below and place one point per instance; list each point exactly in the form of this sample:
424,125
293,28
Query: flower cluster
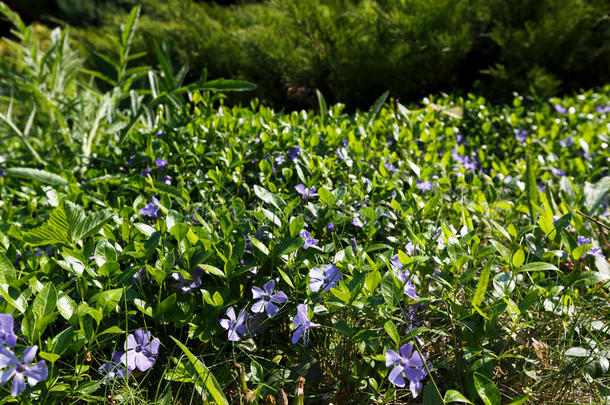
18,369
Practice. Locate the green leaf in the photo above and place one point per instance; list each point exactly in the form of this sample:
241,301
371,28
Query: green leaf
593,194
372,280
212,270
7,271
518,258
296,225
376,107
129,27
322,105
13,297
520,400
392,332
455,396
108,300
531,188
36,174
479,293
45,302
205,376
538,266
227,85
487,390
326,197
269,197
259,245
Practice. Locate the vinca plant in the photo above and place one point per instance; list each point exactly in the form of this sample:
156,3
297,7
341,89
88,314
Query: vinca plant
160,246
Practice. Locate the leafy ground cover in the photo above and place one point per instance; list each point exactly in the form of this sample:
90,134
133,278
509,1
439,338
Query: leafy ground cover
158,246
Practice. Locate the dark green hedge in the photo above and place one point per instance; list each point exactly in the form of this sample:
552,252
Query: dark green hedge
353,50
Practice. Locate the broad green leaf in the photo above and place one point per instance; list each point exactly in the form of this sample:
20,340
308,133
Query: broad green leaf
7,271
66,306
296,225
455,396
212,270
487,390
259,245
392,332
518,258
45,302
479,293
538,266
205,376
108,300
372,280
13,297
36,174
326,197
269,197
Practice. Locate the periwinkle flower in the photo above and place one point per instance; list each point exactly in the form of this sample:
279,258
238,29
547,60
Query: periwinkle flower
306,192
460,138
324,278
558,172
187,286
390,167
7,335
167,180
425,186
160,163
146,171
235,325
560,109
140,350
279,159
340,155
345,142
330,227
130,162
159,134
19,369
357,222
595,252
566,143
602,109
38,252
294,152
407,363
410,248
267,300
151,209
520,135
309,241
115,368
302,324
403,275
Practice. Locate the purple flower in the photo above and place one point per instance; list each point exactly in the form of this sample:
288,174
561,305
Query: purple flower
330,227
566,143
541,187
403,276
235,325
459,139
357,222
407,363
187,286
49,251
520,135
469,163
302,324
560,109
38,252
267,300
353,244
167,180
294,152
151,209
602,109
161,163
390,167
146,171
340,155
425,186
410,248
159,134
140,275
309,241
280,159
140,350
324,278
558,172
19,369
7,336
115,368
305,192
130,162
256,324
595,252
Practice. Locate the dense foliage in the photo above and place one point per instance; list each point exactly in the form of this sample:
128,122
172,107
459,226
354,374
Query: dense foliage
159,246
354,50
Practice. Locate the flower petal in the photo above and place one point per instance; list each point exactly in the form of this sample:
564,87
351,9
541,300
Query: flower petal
406,350
36,373
258,293
259,306
272,309
6,375
131,342
8,358
297,334
415,388
144,362
18,384
279,297
391,358
142,337
415,374
28,354
396,377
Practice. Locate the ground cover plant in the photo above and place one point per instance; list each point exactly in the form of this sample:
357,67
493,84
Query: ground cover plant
159,246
